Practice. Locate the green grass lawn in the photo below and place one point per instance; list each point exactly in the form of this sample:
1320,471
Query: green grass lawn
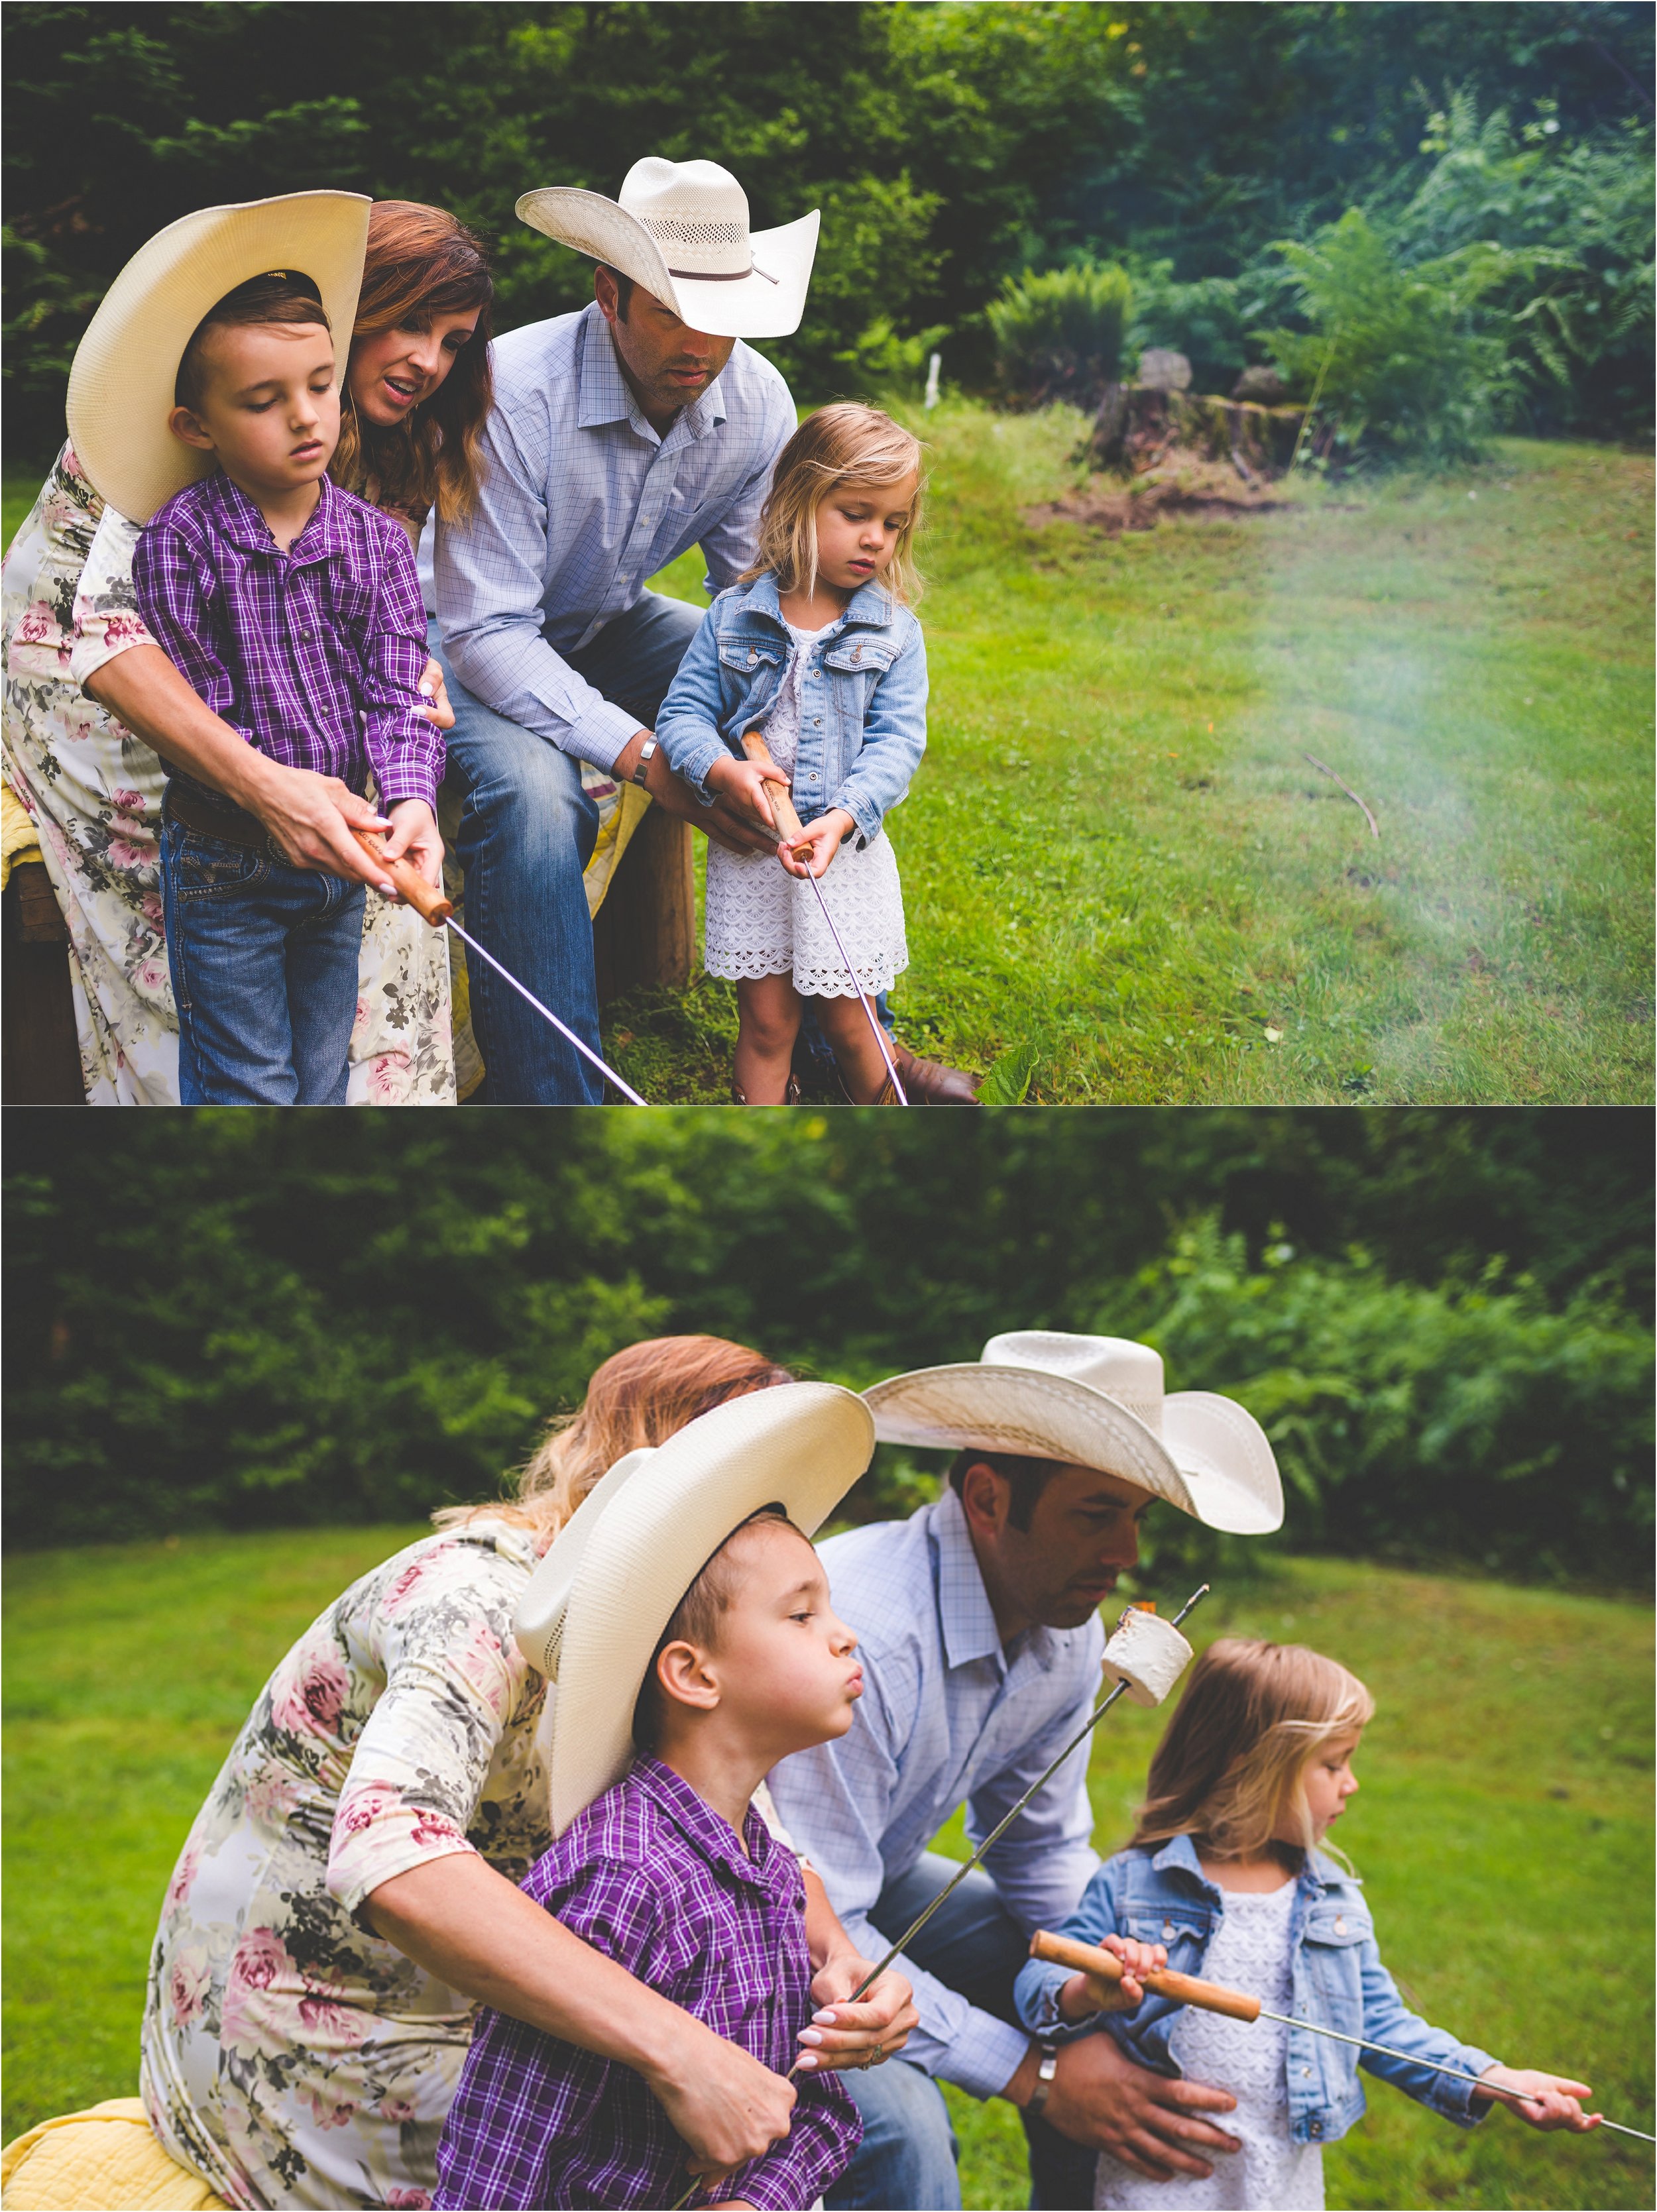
1503,1827
1120,868
1115,857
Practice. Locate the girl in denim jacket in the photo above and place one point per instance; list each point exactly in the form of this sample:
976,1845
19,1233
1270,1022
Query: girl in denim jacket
1224,1879
816,647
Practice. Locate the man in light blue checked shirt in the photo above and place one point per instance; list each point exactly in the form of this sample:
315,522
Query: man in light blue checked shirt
620,437
978,1627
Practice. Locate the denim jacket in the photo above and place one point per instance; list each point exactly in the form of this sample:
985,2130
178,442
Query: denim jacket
1162,1896
862,721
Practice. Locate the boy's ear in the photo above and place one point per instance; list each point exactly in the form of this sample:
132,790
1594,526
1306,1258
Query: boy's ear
187,427
686,1677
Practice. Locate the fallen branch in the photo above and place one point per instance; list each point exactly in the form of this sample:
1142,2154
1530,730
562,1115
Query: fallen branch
1375,827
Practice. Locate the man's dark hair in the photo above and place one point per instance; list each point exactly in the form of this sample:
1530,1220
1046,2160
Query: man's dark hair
624,290
1025,1478
281,296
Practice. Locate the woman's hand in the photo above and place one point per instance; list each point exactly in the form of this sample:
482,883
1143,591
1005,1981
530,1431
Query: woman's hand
825,836
432,684
1552,2101
843,2034
414,837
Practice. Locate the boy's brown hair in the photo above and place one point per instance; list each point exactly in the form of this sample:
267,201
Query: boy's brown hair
281,295
695,1620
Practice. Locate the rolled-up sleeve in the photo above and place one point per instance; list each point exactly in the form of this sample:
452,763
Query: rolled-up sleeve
455,1677
106,618
491,574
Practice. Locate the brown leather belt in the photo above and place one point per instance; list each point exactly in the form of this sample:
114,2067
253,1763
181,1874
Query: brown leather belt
232,825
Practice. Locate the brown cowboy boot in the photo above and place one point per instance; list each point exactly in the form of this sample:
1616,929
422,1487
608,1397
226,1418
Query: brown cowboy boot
929,1082
791,1099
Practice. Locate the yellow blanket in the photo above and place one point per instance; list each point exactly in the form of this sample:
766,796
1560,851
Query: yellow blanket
19,838
104,2160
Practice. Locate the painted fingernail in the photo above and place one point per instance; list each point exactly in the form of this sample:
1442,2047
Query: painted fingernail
807,2065
810,2035
825,2018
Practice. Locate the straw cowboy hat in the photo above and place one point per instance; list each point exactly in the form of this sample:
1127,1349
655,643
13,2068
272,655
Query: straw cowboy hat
680,230
121,385
612,1578
1094,1401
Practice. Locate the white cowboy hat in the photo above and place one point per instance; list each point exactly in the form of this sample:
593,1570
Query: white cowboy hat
126,366
612,1578
680,230
1094,1401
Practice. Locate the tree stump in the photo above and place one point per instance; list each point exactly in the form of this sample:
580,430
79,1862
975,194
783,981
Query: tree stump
40,1053
644,934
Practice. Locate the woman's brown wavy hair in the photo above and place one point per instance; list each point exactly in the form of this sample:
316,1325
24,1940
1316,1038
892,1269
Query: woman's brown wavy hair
642,1395
421,262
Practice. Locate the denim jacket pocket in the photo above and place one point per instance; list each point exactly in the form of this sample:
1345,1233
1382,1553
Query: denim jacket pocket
858,653
743,656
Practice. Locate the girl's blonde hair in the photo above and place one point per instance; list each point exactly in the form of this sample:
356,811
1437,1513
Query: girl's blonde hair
1252,1718
839,444
642,1395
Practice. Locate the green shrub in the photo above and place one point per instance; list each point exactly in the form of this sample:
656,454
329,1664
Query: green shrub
1421,1423
1059,333
1393,351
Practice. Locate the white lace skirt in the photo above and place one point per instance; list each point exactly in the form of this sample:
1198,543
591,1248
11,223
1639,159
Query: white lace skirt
760,921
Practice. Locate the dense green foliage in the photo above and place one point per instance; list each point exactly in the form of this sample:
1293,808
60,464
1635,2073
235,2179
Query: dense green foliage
245,1319
1058,331
950,146
1506,1796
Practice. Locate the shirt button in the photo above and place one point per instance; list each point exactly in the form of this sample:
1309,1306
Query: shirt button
1315,2128
1305,2072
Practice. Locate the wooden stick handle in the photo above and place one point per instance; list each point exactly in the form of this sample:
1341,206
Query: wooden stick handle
789,825
1179,1989
410,883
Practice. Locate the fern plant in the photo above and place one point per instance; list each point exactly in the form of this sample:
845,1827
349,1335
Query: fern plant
1059,333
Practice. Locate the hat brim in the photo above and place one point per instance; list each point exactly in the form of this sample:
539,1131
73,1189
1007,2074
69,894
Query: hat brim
125,368
767,303
1216,1466
801,1446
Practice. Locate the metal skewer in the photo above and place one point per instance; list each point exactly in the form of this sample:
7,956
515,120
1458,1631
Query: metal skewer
792,833
1237,2004
993,1838
430,902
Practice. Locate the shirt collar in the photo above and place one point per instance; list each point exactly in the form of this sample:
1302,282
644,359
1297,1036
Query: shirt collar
1179,1855
869,604
968,1624
237,519
704,1828
605,396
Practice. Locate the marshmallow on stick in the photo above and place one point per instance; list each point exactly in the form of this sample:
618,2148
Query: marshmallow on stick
1148,1655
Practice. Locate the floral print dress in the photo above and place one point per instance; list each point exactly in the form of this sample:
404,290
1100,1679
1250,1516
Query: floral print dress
289,2056
95,791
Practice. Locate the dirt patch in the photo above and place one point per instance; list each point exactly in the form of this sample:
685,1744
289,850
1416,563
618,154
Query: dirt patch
1209,491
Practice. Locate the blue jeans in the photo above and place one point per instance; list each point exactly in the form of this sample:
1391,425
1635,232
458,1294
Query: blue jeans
264,960
908,2155
526,833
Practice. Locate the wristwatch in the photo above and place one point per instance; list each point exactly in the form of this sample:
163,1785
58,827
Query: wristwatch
641,766
1046,2073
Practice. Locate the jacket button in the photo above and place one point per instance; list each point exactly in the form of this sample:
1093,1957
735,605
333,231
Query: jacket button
1305,2072
1167,1931
1315,2128
1340,1924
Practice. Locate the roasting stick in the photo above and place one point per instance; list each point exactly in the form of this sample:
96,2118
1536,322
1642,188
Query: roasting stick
1237,2004
430,904
793,832
988,1843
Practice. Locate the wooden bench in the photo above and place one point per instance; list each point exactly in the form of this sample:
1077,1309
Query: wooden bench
644,935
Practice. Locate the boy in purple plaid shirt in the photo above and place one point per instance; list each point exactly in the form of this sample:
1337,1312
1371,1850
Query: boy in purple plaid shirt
294,612
674,1874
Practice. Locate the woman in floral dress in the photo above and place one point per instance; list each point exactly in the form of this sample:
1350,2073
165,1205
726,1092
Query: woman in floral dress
346,1898
417,389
